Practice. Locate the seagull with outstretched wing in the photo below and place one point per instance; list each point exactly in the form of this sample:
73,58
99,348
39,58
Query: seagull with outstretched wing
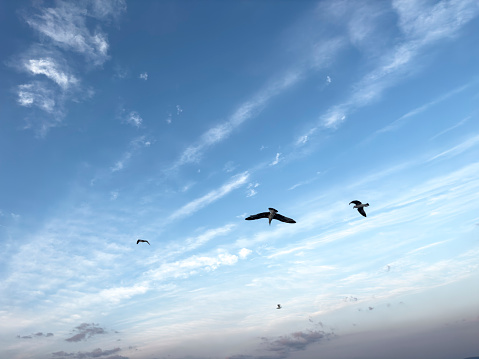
279,306
272,214
142,240
360,207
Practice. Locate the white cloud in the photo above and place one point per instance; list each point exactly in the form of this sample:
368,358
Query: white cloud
244,252
276,160
302,183
48,67
302,140
38,95
244,112
144,76
460,123
118,166
179,110
195,242
116,295
423,25
229,166
134,146
134,118
328,79
106,9
113,195
454,151
190,266
66,26
251,189
334,117
397,123
15,216
197,204
429,22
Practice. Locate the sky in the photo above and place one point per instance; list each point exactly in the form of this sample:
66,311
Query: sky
172,121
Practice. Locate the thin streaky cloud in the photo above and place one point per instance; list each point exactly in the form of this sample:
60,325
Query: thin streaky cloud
198,241
397,123
320,56
470,142
428,246
133,147
195,205
66,26
245,112
420,34
460,123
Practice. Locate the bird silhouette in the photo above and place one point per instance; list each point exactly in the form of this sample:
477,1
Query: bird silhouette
360,207
279,306
272,214
142,240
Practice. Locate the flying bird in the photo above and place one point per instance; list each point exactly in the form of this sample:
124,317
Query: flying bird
272,214
279,306
360,207
142,240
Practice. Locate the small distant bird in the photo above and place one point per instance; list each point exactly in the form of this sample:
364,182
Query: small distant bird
142,240
279,306
360,207
272,214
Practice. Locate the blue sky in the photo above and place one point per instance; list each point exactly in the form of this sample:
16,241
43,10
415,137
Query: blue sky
172,121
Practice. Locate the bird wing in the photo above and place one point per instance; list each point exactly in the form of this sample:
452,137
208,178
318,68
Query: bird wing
283,218
257,216
148,242
355,202
138,241
361,210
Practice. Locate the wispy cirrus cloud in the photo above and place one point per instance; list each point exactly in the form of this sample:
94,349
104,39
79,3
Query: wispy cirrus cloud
198,241
193,264
465,145
66,26
246,111
397,123
36,94
195,205
422,25
49,67
319,54
63,28
135,145
460,123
